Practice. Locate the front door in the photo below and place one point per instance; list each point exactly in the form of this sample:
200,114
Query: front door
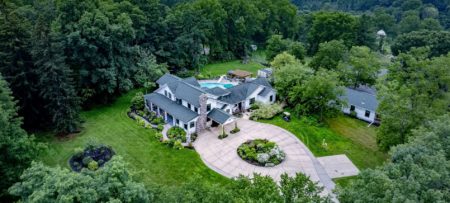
169,119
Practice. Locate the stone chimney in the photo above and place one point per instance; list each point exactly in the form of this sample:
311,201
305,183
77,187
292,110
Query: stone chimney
201,121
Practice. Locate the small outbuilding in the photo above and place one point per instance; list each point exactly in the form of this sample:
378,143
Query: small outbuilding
240,74
265,72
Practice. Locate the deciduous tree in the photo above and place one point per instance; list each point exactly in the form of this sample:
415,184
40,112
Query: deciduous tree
361,67
416,172
329,55
112,182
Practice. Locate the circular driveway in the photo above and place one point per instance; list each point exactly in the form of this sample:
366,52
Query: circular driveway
222,157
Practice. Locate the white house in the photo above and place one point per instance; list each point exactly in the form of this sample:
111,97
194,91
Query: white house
184,103
362,103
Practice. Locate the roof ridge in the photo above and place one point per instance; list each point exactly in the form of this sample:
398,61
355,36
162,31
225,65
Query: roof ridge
193,86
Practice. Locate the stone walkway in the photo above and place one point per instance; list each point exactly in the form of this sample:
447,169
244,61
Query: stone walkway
221,155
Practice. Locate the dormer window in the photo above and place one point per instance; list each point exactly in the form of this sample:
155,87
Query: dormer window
189,106
208,107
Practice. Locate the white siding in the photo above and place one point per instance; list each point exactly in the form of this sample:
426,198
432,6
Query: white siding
164,88
253,95
266,99
361,113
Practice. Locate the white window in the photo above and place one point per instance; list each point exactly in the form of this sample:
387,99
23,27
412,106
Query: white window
367,114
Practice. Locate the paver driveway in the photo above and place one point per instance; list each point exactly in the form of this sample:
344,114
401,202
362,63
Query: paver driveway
221,155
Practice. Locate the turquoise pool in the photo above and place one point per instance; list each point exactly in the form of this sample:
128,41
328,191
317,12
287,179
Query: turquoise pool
215,84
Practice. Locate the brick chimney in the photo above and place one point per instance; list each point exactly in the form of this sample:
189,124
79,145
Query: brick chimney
201,121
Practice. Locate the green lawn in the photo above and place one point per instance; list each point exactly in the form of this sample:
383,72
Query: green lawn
218,69
342,135
154,162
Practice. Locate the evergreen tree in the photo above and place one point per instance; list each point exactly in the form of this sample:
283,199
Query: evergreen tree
55,84
16,62
17,149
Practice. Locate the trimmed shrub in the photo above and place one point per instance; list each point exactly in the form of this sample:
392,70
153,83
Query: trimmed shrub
140,121
93,165
137,102
254,106
176,133
266,111
158,136
193,137
177,145
160,127
157,121
223,134
86,160
236,129
353,114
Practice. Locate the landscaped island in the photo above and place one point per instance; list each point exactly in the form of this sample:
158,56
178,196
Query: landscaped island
92,157
261,152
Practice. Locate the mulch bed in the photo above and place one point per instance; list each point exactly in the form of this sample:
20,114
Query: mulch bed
101,154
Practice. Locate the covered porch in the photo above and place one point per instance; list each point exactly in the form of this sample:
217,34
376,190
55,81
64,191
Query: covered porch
172,113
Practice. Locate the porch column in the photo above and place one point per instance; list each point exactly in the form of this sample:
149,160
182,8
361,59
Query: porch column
188,138
165,115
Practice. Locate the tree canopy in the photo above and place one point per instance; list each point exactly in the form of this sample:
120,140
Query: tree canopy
113,182
417,171
415,90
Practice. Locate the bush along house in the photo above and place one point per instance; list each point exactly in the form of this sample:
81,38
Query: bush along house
362,103
184,103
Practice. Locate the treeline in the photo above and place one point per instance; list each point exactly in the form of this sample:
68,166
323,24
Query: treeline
59,56
393,16
115,183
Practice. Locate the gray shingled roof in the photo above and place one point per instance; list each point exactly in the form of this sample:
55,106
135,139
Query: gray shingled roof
239,93
361,99
217,91
192,81
218,115
261,81
265,91
167,78
188,93
187,89
176,110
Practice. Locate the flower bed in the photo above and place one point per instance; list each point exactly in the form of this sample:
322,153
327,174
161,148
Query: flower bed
92,157
261,152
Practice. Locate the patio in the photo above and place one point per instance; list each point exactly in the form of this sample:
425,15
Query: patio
222,157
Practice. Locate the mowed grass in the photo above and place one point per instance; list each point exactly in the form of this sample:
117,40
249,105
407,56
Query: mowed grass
154,162
221,68
340,135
